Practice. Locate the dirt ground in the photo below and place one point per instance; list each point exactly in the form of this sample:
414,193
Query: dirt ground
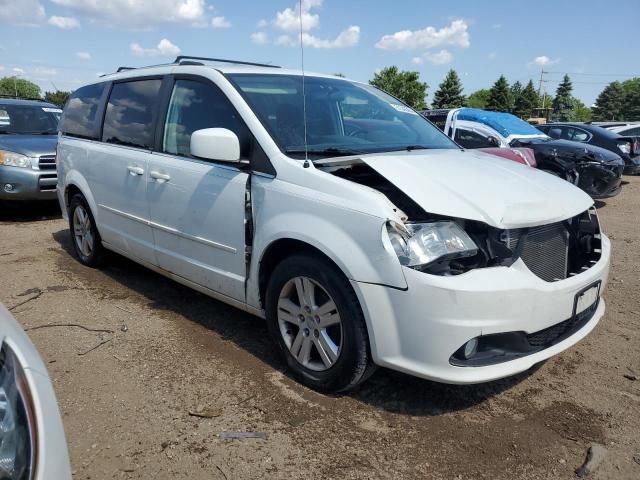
126,404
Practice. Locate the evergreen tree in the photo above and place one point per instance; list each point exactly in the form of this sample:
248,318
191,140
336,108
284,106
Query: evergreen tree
478,99
610,103
516,91
563,102
499,96
403,85
526,103
449,93
631,106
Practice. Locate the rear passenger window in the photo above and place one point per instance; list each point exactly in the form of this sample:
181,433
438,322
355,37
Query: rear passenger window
130,113
194,106
80,117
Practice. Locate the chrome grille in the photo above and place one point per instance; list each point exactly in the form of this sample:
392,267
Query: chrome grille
543,249
47,162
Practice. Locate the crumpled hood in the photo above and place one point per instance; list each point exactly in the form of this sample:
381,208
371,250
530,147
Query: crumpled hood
30,145
482,187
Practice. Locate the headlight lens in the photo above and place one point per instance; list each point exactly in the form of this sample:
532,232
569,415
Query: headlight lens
16,420
12,159
420,244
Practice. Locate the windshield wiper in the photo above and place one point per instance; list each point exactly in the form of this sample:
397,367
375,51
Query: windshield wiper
331,151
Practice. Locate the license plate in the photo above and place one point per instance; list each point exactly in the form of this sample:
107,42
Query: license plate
586,298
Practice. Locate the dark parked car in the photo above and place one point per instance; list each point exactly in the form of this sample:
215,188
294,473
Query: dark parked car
625,146
595,170
28,137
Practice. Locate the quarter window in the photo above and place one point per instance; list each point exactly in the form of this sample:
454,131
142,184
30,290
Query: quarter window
577,135
130,111
80,117
196,105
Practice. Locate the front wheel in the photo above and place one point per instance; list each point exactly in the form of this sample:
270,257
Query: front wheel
316,321
85,237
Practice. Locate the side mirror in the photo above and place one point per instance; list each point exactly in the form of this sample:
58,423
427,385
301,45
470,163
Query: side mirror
218,144
494,142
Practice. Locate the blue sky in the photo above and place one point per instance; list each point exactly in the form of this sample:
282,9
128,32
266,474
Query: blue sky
68,42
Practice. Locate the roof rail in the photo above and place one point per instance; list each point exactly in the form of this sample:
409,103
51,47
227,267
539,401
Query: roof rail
124,69
179,59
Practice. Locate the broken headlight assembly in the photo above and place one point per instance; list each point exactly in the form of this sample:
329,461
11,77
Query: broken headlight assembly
427,246
17,421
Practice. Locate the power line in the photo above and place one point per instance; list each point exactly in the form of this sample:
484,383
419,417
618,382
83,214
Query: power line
598,74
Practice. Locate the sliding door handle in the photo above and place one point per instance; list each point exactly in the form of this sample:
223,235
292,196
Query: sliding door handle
135,170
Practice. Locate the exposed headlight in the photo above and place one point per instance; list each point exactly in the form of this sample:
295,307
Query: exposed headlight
12,159
17,423
420,244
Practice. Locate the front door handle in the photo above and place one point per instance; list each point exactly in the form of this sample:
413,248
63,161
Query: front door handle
135,170
160,177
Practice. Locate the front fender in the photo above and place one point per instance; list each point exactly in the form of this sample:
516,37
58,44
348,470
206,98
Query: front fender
351,239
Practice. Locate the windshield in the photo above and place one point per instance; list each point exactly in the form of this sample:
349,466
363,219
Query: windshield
28,119
343,118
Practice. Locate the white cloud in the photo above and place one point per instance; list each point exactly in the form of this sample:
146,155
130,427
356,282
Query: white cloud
417,60
346,38
262,23
220,22
289,18
543,60
164,49
139,13
439,58
286,40
259,38
83,55
18,70
456,34
65,23
21,12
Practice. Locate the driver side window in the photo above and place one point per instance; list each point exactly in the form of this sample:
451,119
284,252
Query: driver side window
472,139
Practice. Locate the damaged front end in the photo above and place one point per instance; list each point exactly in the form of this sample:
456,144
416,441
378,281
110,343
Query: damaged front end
446,246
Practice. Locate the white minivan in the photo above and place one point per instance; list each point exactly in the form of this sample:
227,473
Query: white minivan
361,232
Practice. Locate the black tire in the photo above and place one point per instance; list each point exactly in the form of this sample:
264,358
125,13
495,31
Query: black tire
95,256
353,364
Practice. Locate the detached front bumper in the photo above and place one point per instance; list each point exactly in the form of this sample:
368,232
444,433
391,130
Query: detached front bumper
27,184
632,166
419,329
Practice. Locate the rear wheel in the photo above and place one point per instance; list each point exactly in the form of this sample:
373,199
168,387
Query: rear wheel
316,321
85,237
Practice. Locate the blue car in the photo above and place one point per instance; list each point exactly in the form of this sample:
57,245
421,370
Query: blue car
28,137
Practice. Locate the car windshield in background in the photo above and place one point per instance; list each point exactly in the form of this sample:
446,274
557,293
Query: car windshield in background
343,118
28,119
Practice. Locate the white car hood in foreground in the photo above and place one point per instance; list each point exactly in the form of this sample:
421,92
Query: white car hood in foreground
478,186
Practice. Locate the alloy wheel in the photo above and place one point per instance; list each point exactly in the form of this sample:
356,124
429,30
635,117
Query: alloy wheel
309,323
82,231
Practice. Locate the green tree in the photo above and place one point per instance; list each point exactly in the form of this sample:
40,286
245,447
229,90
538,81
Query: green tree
449,93
631,107
580,112
478,99
563,102
526,102
58,97
404,85
499,96
610,103
516,91
14,86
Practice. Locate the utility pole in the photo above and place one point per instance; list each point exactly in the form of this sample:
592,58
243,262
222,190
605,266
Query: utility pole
15,86
542,72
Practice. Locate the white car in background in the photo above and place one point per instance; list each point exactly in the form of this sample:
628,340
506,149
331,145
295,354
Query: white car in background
362,233
32,440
